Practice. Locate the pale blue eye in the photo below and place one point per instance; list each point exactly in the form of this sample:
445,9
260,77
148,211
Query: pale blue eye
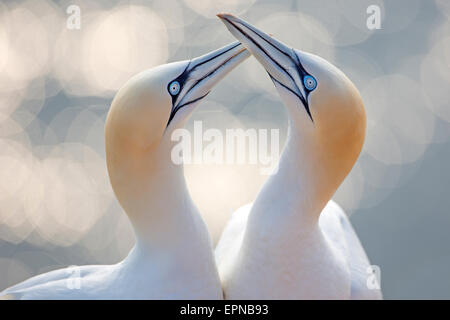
174,87
310,83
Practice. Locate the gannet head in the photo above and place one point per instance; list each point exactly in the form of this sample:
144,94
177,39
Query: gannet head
325,108
160,99
147,109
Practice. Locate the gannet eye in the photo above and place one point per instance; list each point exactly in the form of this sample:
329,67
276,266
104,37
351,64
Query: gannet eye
310,83
174,88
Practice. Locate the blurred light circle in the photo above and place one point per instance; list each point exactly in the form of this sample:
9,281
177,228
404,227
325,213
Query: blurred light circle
111,46
344,23
123,42
209,8
435,78
16,171
357,66
15,168
68,57
203,38
26,34
74,193
176,19
382,144
399,126
409,115
4,42
173,13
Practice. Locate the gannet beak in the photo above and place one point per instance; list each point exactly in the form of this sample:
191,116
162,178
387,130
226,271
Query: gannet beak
204,72
280,61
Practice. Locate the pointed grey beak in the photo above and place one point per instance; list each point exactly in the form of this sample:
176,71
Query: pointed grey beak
280,61
204,72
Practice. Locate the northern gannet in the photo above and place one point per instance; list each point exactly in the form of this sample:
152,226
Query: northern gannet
293,242
173,257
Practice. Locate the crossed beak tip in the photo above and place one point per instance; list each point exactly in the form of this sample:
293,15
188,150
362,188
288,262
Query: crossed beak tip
207,71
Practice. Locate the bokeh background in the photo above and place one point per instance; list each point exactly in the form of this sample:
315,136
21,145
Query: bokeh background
56,84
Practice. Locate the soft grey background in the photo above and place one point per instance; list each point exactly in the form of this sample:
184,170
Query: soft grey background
56,206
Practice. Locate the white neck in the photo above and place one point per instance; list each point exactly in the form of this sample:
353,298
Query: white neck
152,191
283,237
296,194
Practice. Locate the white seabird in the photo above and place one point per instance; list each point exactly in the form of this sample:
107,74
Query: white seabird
294,242
173,257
